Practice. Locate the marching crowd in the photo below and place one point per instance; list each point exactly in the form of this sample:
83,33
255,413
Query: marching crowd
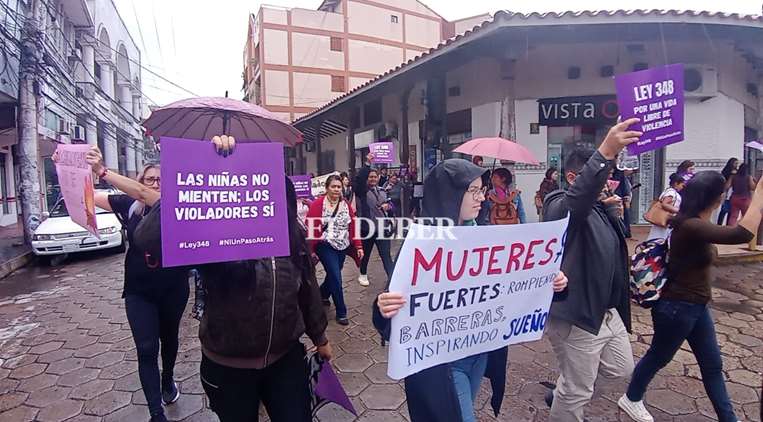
253,313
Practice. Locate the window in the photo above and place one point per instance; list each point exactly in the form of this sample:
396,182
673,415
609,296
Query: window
327,163
372,112
337,84
394,18
336,44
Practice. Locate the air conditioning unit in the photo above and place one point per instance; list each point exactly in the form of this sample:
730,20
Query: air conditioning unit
78,133
75,54
63,126
700,81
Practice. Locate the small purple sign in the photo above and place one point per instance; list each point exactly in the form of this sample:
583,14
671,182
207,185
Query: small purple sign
302,185
218,209
383,152
656,96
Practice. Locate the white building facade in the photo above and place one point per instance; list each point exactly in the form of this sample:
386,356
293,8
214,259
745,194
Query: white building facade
530,77
89,90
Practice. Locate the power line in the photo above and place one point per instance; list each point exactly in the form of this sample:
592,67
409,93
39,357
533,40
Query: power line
94,40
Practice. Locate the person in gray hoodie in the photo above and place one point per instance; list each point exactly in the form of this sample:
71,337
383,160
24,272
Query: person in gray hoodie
454,189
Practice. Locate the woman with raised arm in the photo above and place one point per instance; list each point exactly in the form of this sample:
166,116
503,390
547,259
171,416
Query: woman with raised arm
155,297
255,312
683,311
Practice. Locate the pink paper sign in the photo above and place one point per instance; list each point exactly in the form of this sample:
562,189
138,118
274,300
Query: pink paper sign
76,179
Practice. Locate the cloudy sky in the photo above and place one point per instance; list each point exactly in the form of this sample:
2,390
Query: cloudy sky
198,44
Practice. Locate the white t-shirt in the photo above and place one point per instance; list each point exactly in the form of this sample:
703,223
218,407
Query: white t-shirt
658,232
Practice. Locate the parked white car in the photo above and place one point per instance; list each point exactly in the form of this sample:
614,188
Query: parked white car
58,234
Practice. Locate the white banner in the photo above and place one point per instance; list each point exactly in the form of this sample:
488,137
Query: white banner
471,289
318,184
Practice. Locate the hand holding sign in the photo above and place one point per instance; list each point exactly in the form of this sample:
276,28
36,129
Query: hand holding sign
619,137
656,97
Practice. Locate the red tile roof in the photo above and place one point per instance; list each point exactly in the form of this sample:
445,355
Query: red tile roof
522,19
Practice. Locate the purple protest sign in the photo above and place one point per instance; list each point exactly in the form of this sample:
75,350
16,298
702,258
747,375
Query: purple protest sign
656,96
217,209
302,185
383,152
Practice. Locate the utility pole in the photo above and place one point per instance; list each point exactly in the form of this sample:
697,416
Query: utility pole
29,93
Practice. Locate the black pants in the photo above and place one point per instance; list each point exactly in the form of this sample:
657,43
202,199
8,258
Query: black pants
154,318
385,251
234,394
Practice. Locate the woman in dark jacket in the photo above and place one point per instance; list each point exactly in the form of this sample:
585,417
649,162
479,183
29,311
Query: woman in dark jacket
445,393
255,312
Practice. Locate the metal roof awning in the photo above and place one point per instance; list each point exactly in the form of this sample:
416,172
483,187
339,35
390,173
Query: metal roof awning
328,128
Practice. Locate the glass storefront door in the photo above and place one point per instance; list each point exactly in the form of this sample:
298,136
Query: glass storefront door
562,140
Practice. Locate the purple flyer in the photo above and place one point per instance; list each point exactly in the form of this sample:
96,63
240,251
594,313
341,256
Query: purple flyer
384,152
218,209
656,96
302,185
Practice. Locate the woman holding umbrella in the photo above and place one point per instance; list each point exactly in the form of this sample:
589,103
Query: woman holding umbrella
255,312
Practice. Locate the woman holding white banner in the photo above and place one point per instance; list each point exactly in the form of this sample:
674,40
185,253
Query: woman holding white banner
155,297
455,190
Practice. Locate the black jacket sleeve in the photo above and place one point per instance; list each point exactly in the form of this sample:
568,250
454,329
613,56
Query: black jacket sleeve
311,306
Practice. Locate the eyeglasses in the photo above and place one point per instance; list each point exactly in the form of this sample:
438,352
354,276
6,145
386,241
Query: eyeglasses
477,192
148,181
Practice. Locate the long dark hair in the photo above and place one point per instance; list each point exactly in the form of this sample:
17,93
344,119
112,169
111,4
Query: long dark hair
729,167
743,170
505,175
549,172
699,194
684,166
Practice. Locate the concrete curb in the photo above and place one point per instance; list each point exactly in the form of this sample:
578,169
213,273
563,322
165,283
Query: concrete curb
13,264
740,258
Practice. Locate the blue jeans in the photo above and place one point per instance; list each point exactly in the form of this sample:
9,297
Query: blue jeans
675,321
467,375
724,212
333,261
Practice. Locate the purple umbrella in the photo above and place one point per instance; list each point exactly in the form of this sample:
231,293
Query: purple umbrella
205,117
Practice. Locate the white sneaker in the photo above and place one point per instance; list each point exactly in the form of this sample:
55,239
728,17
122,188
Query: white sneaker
635,409
363,280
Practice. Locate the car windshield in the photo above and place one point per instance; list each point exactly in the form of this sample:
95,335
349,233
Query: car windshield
59,210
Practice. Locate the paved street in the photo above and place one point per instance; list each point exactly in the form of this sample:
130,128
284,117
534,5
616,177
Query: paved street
66,353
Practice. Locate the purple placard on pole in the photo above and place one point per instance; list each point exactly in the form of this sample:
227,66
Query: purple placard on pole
656,96
383,152
302,185
217,209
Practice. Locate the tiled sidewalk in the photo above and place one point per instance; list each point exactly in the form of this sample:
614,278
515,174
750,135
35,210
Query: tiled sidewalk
66,353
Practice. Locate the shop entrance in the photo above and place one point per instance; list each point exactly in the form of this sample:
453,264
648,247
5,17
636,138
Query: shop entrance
562,140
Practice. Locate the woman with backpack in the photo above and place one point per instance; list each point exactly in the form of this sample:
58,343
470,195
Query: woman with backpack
549,184
669,202
333,236
255,312
505,201
453,189
155,297
682,312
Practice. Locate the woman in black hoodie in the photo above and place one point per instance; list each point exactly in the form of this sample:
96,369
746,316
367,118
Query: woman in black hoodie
454,189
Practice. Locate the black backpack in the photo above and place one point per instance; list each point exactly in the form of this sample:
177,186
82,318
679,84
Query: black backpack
148,236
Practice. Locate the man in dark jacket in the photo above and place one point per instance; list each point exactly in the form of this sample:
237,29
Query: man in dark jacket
589,331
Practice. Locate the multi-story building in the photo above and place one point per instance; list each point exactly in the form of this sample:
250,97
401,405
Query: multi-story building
297,59
89,89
